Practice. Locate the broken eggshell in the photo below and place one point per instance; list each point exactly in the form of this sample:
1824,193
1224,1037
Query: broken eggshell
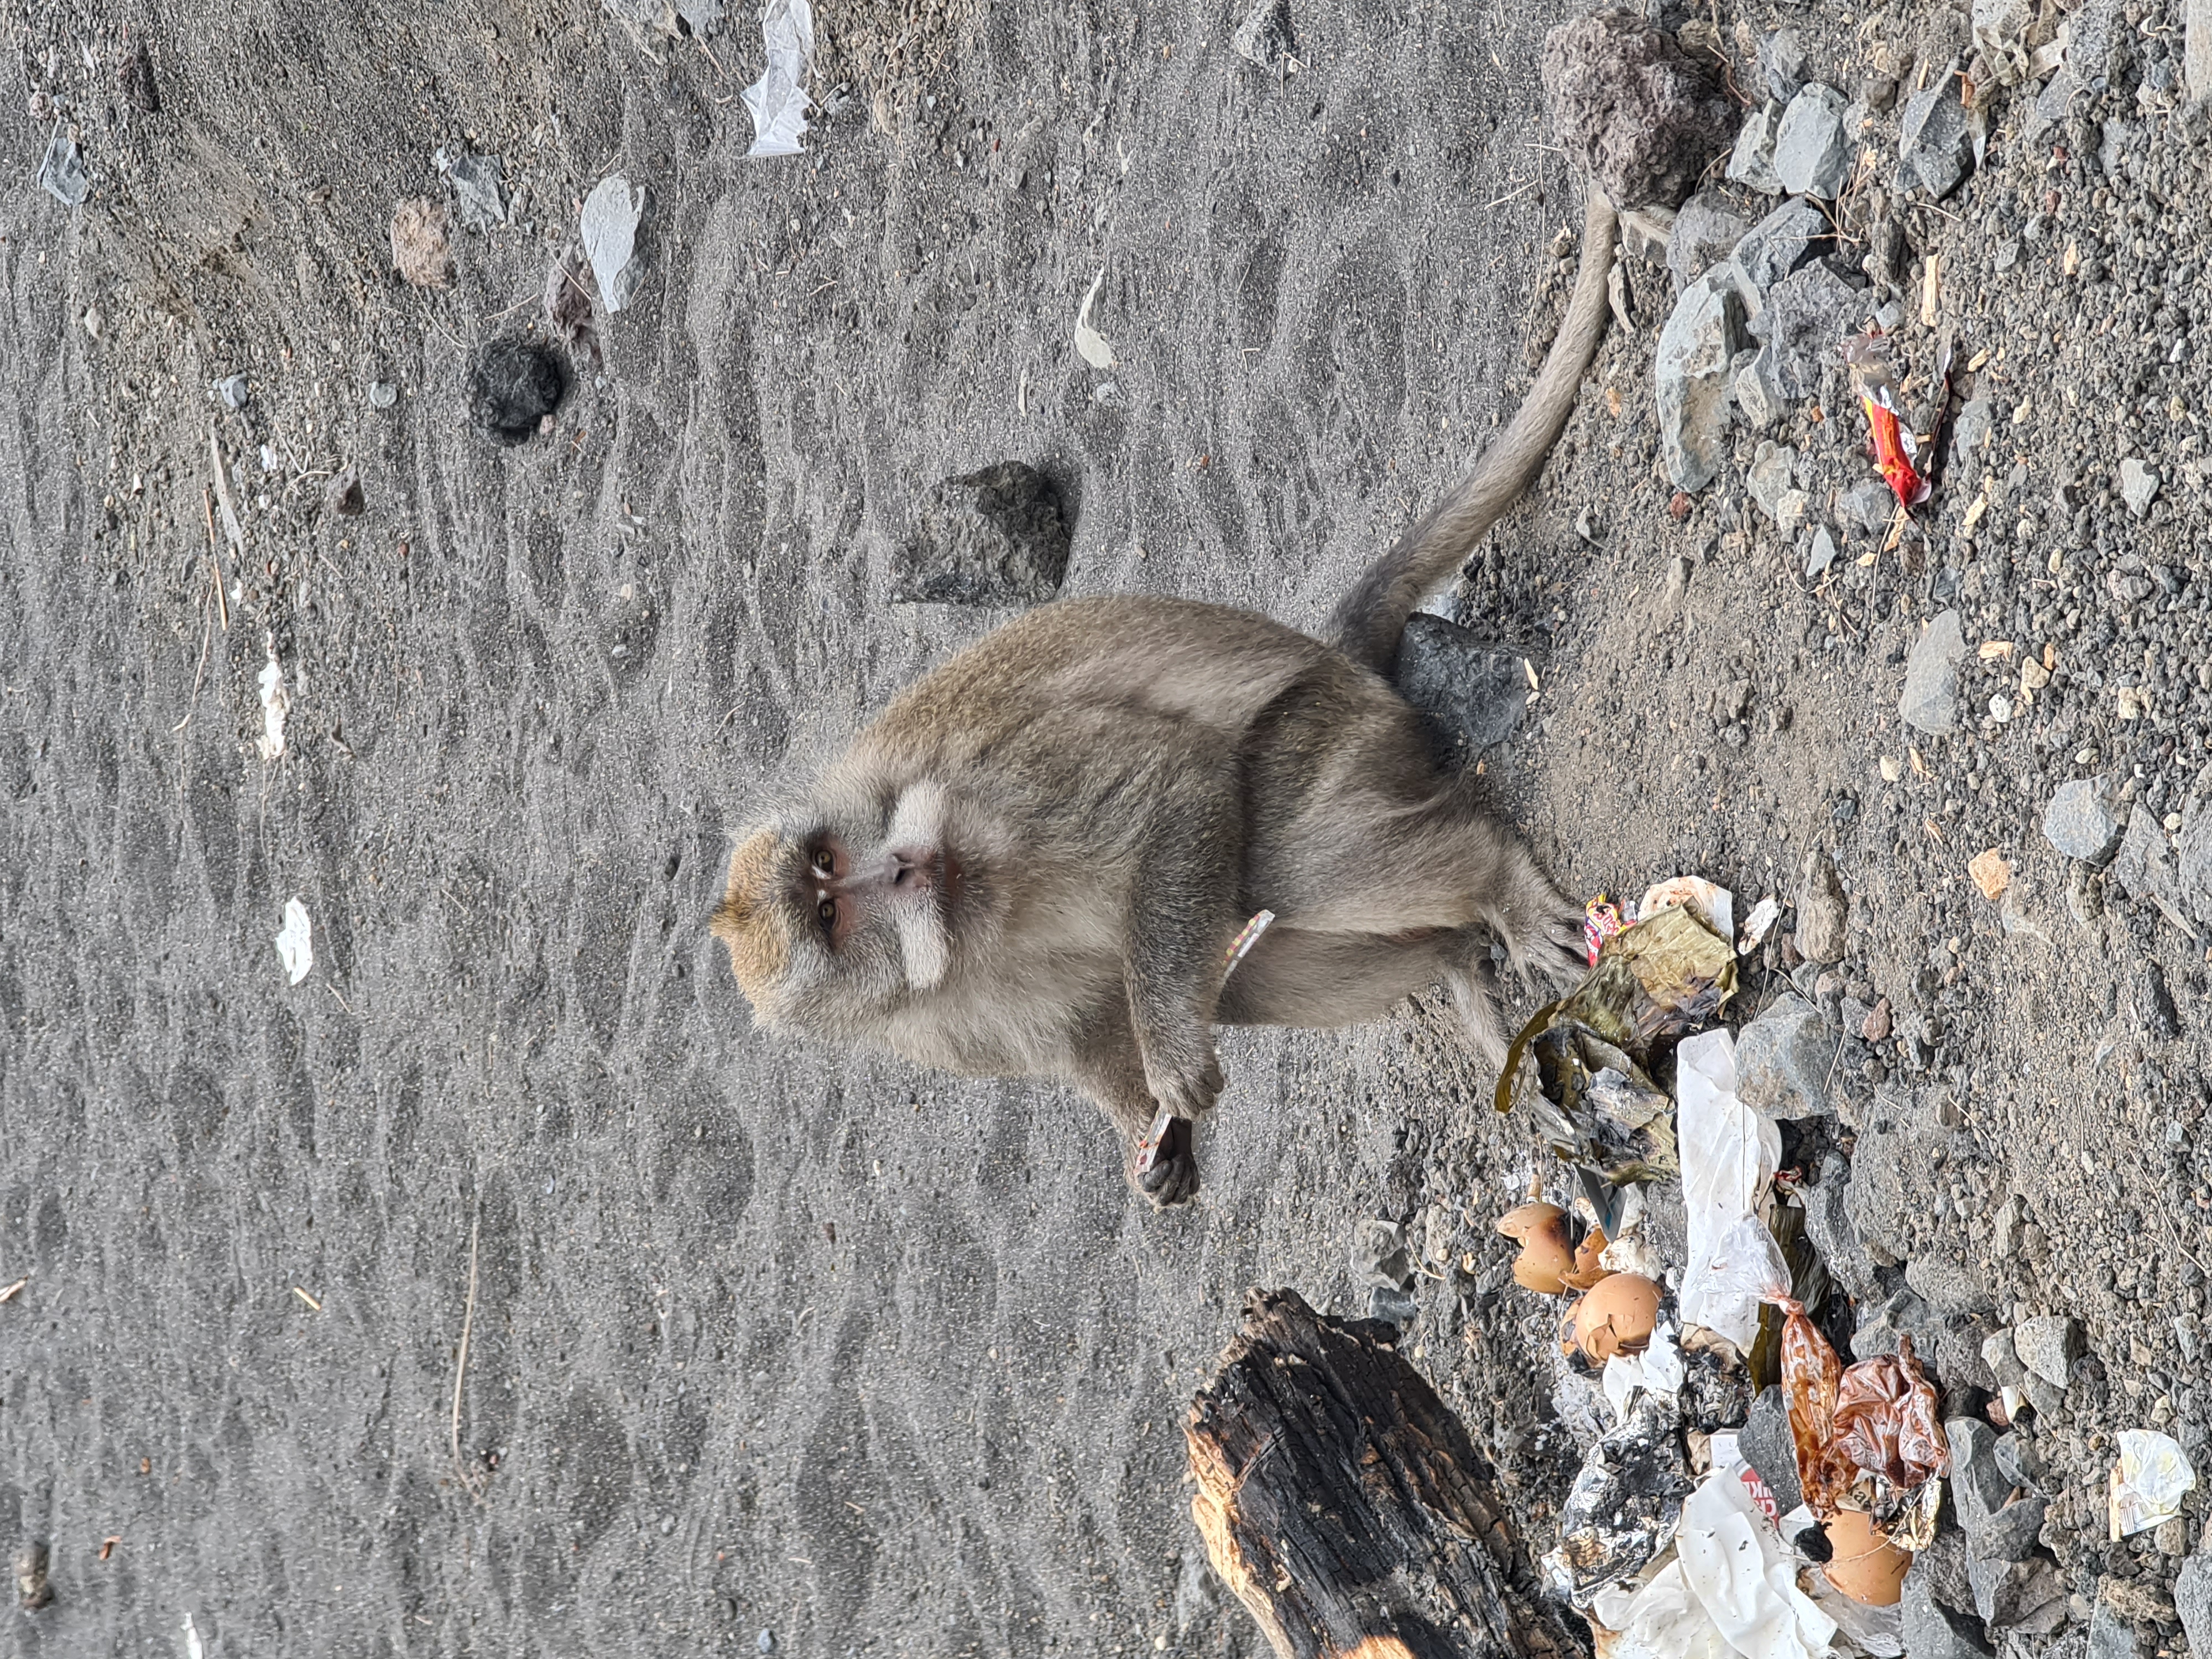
1863,1563
1615,1315
1589,1269
1545,1257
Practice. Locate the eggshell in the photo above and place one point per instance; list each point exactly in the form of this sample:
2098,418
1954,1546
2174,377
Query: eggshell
1865,1565
1615,1315
1588,1270
1546,1258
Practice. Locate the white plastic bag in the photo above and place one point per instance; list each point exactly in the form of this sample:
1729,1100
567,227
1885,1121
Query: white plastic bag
1730,1154
778,99
1744,1575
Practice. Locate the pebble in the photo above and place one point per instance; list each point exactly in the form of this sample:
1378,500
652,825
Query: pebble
1773,471
1705,232
1265,37
2112,1637
1823,555
993,537
514,385
1935,150
2145,867
2083,821
1930,699
1782,1059
1395,1306
1752,162
1823,912
233,391
1690,378
1378,1254
2138,485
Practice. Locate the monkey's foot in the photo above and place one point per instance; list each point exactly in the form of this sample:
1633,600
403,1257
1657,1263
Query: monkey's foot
1173,1178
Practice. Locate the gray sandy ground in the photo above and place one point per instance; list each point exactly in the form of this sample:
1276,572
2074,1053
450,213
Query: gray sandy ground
763,1337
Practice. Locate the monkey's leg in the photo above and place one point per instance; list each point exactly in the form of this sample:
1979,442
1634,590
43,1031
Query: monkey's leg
1112,1073
1182,901
1293,977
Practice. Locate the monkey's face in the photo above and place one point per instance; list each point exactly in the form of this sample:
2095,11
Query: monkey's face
845,913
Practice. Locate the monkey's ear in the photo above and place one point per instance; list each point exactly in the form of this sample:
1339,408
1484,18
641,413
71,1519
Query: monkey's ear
755,926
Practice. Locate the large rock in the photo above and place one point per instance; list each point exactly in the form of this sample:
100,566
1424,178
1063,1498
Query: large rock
2112,1637
1782,1059
2083,820
1905,1314
1705,233
1777,246
1806,316
1690,378
2192,1602
1757,387
2011,1593
1811,153
1829,1226
1930,699
1643,114
1471,695
2048,1346
993,537
1752,162
1948,1284
2194,858
1936,149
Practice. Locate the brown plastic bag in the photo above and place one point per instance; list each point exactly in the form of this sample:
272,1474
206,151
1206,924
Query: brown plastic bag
1876,1417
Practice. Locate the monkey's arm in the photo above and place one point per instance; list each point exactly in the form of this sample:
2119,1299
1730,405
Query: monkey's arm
1181,904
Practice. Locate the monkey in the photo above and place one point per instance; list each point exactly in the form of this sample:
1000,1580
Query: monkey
1031,863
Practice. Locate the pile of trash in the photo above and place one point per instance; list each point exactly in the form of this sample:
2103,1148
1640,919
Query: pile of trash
1743,1487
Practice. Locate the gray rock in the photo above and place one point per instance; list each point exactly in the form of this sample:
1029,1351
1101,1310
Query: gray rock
1823,554
1970,431
1378,1254
1768,1446
1757,390
1812,154
2193,869
1647,234
1931,1630
2138,485
1775,247
1868,507
2112,1637
1942,1568
1265,37
1949,1284
1905,1315
1829,1227
1935,149
1705,233
2046,1396
2048,1346
1823,912
1979,1486
477,189
1643,116
1198,1593
2000,31
1804,322
1752,162
2083,820
1773,474
2011,1593
1959,1362
1782,1059
2193,1601
2011,1532
993,537
1931,699
1471,695
2145,867
1690,378
2004,1360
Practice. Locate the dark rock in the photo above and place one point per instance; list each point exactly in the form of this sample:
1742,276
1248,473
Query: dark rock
134,77
2083,820
2161,1020
1782,64
1690,378
1266,37
1823,911
1782,1059
1958,1361
1471,695
2009,1593
1641,113
1705,233
1392,1306
993,537
1931,1630
343,495
512,386
1906,1313
1832,1234
1767,1445
2010,1533
1935,149
1930,702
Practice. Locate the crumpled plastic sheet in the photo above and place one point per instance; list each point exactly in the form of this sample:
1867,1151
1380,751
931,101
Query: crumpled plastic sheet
2149,1482
1868,1432
610,221
1623,1508
1729,1153
1657,1369
778,100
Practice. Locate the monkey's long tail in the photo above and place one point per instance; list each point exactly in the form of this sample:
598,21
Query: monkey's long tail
1370,619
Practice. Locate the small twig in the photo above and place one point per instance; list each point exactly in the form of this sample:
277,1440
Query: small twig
1510,194
461,1361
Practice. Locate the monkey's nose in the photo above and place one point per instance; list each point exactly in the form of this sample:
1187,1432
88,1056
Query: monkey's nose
914,868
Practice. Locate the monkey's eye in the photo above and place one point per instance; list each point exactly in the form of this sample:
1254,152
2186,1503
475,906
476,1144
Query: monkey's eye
828,911
824,865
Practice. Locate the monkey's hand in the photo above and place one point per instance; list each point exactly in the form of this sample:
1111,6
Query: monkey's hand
1173,1178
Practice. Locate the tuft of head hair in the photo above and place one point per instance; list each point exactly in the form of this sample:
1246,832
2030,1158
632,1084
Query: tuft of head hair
753,924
